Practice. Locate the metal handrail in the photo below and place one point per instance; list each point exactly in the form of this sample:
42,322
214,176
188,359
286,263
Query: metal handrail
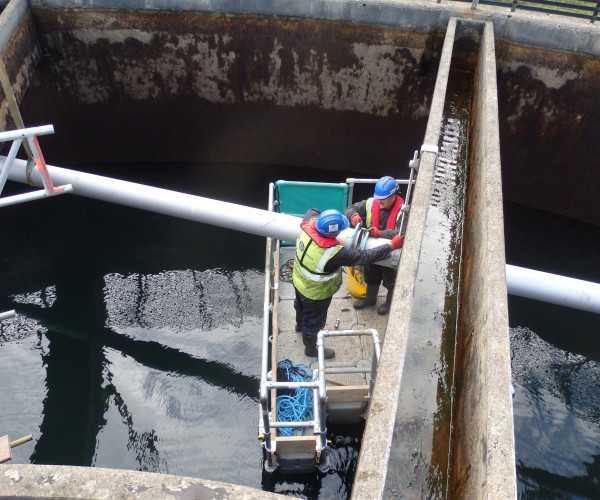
323,369
319,399
582,9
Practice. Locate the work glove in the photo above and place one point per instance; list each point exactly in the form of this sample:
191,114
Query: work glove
397,241
355,220
374,232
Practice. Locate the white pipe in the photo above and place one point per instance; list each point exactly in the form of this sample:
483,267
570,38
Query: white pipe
7,314
527,283
30,196
552,288
185,206
22,133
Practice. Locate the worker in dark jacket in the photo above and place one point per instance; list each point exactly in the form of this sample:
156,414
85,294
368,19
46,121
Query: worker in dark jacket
382,215
317,273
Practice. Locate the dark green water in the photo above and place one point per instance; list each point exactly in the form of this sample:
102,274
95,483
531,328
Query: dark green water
138,336
555,361
138,339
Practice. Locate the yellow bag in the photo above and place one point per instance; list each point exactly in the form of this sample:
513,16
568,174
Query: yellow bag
356,284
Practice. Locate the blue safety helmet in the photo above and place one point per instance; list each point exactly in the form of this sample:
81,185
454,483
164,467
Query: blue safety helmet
331,222
386,187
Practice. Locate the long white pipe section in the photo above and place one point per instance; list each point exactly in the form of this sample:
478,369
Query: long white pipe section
185,206
552,288
527,283
7,314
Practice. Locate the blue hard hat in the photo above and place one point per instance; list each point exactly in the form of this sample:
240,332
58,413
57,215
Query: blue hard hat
386,187
331,222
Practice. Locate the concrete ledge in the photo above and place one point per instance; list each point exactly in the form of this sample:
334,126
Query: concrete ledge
55,481
521,27
483,458
372,464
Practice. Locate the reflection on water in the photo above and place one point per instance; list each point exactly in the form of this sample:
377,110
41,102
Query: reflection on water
137,346
201,313
137,341
555,361
557,419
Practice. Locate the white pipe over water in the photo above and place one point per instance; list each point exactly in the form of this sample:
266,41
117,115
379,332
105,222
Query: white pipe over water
7,314
552,288
185,206
527,283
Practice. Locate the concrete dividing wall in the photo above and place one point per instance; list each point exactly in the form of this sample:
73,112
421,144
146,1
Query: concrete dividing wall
483,462
372,466
483,451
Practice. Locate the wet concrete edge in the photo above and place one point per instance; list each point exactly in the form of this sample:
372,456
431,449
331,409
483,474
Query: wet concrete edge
483,464
371,469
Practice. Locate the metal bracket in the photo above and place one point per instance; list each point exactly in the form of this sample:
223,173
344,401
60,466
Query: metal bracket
29,135
429,148
414,163
416,160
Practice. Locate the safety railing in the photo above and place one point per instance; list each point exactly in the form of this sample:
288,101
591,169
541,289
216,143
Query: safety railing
29,135
267,421
583,9
372,371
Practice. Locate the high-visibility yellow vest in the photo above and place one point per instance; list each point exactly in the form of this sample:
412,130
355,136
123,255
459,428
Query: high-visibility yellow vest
313,251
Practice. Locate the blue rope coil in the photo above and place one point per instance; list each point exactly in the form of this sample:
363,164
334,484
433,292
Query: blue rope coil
294,405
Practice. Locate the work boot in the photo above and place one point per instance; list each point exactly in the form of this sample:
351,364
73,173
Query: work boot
310,347
370,299
384,308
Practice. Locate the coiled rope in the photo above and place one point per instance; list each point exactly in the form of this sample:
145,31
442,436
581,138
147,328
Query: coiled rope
294,405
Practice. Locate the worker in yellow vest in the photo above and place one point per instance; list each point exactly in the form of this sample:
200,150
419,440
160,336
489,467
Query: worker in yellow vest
317,272
381,214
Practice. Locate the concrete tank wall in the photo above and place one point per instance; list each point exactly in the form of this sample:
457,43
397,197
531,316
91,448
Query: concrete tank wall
550,130
144,86
20,51
265,82
483,461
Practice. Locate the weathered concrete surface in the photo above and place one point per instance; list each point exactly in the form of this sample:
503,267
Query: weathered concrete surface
229,89
483,434
94,483
548,31
371,469
20,51
549,128
265,81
